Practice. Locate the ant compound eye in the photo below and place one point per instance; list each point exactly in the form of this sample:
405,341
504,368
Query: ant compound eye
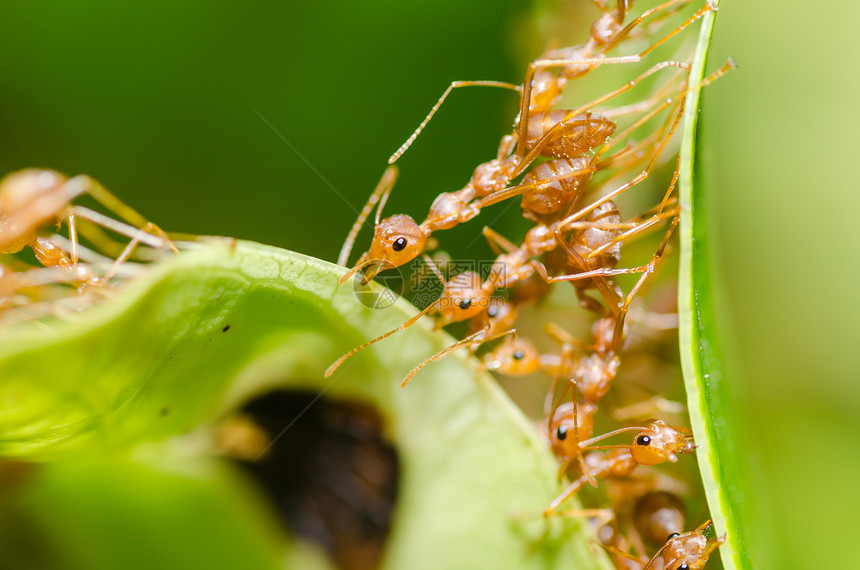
643,440
399,244
673,535
519,355
465,304
493,311
684,566
561,432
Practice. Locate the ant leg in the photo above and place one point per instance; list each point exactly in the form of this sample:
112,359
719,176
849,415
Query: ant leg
126,253
570,491
379,195
588,443
118,207
603,516
506,193
108,200
154,237
336,364
618,552
471,339
73,238
708,7
625,33
618,334
438,104
620,11
497,241
636,230
638,123
563,337
607,289
645,104
600,272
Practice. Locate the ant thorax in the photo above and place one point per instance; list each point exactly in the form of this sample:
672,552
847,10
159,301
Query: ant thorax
556,184
448,210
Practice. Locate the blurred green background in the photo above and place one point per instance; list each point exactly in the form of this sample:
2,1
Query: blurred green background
272,122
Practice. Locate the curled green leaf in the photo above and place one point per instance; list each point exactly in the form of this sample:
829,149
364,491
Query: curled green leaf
210,328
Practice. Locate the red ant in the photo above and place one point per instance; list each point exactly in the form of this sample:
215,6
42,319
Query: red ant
33,198
654,444
398,239
463,297
687,551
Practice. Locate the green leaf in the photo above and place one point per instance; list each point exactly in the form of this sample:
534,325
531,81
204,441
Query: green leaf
715,427
116,512
210,328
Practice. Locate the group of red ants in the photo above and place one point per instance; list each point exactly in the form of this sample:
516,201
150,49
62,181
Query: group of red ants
574,164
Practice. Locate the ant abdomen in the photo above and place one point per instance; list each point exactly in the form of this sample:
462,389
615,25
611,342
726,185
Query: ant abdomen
587,240
22,193
659,514
565,178
575,136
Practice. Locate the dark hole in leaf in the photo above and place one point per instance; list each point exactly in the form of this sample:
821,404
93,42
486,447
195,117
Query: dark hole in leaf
329,473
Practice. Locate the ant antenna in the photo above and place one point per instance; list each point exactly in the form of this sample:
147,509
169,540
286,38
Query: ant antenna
394,157
380,195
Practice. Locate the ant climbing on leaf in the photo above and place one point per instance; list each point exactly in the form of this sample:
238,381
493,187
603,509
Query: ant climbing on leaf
32,198
682,551
653,444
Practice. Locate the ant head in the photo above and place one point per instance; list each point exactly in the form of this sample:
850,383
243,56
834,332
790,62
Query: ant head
564,430
19,189
396,240
463,298
501,313
514,357
658,443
